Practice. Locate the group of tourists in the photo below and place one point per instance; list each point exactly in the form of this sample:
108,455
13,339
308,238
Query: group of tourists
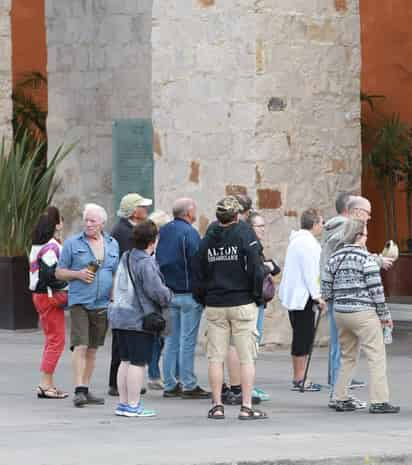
153,278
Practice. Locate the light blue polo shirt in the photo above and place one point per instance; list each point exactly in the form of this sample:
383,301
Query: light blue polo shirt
76,255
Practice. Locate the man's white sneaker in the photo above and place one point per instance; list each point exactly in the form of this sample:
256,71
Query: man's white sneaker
360,404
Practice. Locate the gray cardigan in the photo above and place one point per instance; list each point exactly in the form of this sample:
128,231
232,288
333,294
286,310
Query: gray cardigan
129,307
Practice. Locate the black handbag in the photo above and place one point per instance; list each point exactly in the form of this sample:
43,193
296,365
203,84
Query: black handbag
152,322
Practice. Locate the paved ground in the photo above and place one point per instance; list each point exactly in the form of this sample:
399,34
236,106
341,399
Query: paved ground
300,428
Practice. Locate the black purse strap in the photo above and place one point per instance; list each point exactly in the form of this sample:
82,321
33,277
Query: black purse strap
130,272
340,264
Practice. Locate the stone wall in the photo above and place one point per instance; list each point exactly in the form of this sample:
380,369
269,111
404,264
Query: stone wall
259,97
99,69
6,107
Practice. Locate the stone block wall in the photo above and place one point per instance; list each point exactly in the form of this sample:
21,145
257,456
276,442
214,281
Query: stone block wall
259,97
6,107
99,70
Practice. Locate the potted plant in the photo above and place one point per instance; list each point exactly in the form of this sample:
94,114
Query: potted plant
26,189
390,142
407,180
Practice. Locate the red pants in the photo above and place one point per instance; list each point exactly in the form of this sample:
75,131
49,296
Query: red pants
51,316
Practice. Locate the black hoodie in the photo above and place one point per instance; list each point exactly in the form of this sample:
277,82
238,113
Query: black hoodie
228,269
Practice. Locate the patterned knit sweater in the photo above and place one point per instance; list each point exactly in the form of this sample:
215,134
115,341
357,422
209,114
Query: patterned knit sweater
352,279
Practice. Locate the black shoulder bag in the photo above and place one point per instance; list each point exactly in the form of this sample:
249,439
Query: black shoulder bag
154,321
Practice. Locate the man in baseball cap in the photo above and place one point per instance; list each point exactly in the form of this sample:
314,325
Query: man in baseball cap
133,209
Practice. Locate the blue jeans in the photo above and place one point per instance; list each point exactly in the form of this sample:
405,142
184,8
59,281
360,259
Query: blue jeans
180,345
334,349
260,322
154,370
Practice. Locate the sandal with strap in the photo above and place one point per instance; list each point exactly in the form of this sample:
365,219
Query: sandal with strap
251,414
51,393
216,413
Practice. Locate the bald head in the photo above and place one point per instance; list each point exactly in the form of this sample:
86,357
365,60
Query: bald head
185,209
360,208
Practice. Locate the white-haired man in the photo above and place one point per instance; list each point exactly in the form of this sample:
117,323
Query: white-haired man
88,262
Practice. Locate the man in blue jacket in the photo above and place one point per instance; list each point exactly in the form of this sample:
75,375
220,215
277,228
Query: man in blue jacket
178,243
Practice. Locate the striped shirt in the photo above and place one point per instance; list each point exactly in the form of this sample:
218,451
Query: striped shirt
353,281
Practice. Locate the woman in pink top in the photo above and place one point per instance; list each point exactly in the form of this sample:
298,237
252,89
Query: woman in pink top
49,297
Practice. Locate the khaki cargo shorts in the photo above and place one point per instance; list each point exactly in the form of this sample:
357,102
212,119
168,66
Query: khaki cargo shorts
88,327
232,323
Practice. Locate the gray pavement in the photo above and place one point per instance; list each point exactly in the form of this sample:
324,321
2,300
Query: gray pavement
301,428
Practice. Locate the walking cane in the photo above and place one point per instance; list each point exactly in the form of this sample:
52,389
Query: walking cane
302,388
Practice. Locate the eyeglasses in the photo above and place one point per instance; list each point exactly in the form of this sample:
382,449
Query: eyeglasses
368,212
258,225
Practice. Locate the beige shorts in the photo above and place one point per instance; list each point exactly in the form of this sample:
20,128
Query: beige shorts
236,323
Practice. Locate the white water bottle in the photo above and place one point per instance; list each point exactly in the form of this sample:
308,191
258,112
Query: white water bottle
387,335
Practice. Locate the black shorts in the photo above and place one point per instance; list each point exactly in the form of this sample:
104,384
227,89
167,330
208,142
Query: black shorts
303,327
135,347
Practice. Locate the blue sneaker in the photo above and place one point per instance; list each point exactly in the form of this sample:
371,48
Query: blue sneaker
138,411
120,409
309,386
263,396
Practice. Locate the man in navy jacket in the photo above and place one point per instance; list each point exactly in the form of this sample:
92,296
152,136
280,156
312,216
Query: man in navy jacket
178,243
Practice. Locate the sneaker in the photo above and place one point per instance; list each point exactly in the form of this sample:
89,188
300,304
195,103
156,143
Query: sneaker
175,392
356,384
345,406
383,408
80,399
138,411
332,404
196,393
263,396
113,391
309,386
92,399
360,404
230,398
120,409
156,385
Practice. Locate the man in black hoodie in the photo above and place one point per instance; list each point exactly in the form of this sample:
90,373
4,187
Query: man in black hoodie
228,279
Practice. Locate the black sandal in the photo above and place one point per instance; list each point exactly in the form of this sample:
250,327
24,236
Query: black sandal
51,393
216,413
251,414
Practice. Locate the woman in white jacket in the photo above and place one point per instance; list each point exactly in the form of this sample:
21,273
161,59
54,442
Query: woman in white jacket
300,289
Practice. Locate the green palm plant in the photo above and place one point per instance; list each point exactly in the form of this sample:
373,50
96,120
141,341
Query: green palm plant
26,190
391,141
406,169
30,112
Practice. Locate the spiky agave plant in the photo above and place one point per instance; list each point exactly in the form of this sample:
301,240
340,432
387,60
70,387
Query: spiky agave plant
26,190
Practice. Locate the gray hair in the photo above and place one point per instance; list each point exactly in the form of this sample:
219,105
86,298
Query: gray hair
93,207
353,229
160,218
357,201
182,207
342,202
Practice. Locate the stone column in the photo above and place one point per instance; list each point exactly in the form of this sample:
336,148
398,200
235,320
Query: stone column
99,70
6,105
258,97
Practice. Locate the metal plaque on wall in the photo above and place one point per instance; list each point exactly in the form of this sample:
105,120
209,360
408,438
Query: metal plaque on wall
133,167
